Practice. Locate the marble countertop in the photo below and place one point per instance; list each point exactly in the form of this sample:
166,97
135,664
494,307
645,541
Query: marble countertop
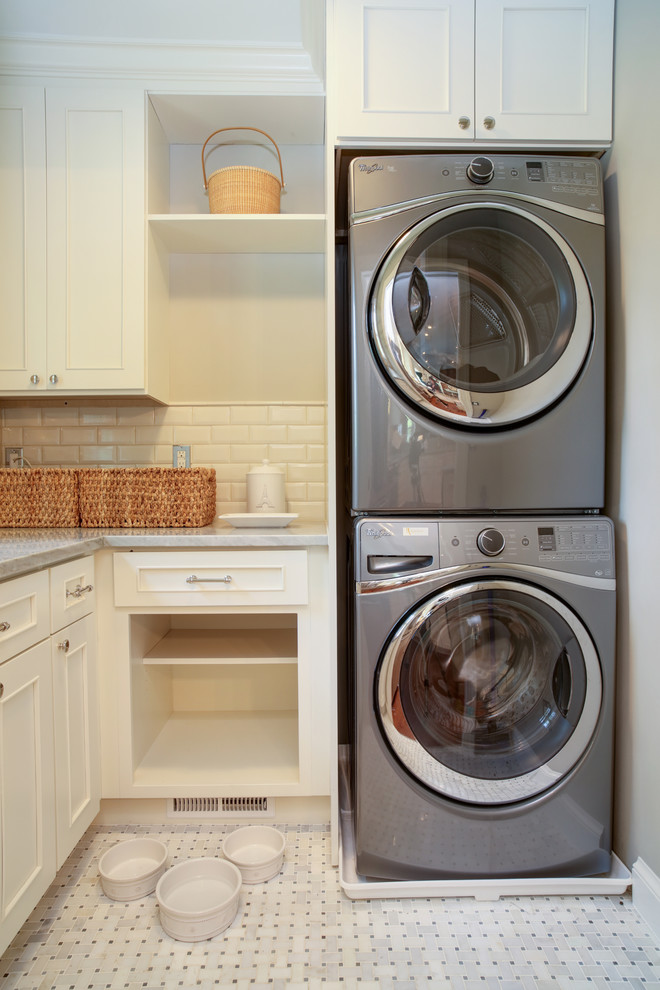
24,550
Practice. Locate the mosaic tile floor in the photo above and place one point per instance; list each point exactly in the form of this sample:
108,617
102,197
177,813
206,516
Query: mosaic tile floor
299,930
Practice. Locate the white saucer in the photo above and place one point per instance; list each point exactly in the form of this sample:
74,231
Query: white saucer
251,520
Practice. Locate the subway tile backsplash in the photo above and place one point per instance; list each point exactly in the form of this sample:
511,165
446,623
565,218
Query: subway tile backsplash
229,438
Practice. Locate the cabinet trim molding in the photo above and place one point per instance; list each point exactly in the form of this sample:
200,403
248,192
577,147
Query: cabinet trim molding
237,66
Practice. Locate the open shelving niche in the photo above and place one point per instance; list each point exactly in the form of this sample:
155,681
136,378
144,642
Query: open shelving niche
215,701
283,267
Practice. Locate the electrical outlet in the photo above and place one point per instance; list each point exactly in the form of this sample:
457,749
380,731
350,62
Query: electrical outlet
180,456
13,457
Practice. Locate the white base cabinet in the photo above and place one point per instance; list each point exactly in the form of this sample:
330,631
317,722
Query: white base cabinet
218,675
49,756
27,787
77,776
537,72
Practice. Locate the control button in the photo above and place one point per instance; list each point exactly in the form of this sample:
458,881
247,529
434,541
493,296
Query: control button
480,170
455,542
525,541
514,173
445,171
490,542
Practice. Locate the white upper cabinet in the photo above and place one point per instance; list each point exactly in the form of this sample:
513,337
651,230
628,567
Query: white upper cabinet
537,72
402,71
23,236
73,232
95,193
543,71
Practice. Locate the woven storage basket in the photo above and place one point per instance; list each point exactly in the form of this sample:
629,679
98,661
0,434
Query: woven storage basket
151,497
40,497
243,188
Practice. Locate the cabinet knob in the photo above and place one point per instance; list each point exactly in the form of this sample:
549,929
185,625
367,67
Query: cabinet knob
53,379
64,645
463,123
34,379
489,123
4,626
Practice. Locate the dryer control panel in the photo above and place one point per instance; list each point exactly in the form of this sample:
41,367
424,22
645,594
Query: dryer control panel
384,182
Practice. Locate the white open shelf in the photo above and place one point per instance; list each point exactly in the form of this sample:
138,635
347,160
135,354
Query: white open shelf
225,646
291,118
234,749
294,233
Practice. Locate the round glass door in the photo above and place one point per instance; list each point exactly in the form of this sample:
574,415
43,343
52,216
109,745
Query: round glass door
481,315
489,692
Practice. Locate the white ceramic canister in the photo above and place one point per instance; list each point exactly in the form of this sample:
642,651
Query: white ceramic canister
265,489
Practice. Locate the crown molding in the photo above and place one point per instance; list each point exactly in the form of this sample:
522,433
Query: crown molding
235,66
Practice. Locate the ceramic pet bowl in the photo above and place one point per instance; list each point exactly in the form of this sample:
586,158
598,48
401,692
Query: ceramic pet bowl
198,898
257,850
132,868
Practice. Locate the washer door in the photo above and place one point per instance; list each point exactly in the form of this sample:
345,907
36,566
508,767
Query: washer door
489,692
481,315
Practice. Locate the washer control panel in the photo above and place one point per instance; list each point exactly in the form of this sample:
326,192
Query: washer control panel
386,547
574,545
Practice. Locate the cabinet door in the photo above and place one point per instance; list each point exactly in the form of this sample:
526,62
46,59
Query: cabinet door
27,801
402,71
95,187
543,70
76,723
23,234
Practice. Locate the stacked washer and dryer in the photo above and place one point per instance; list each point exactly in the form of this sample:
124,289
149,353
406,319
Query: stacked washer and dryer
483,586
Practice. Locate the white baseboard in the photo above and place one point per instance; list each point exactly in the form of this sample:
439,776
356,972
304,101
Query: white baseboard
646,894
153,811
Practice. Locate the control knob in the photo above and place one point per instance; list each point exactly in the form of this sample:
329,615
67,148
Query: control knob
480,170
490,542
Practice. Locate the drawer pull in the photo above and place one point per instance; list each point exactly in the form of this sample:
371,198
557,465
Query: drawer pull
79,592
64,645
4,626
193,579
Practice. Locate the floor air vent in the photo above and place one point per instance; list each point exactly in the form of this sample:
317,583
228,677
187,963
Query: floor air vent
221,808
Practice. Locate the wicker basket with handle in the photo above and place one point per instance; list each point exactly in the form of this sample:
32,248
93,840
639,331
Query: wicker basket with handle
243,188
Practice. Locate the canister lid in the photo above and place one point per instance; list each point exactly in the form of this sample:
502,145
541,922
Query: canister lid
265,468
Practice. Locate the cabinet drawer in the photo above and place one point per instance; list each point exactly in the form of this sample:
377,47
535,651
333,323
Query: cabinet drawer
241,577
24,618
72,592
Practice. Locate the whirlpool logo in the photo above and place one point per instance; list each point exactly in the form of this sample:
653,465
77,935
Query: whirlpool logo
376,534
368,169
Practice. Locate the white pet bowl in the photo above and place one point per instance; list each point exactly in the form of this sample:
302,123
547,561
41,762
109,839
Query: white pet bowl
198,898
257,850
132,868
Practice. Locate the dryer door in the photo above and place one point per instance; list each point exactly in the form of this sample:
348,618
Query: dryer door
481,315
489,692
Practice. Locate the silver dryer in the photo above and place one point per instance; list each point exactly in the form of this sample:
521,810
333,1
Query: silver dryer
476,333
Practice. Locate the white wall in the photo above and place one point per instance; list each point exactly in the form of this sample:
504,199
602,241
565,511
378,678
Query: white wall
633,204
202,20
